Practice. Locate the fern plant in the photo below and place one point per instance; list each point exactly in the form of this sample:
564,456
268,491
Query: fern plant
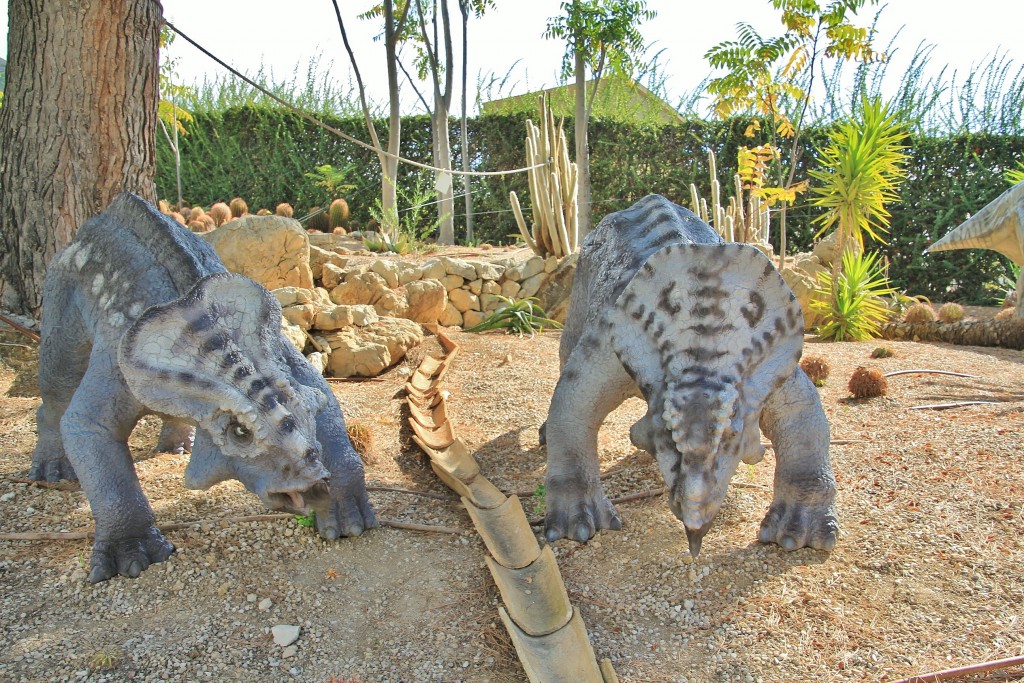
522,317
853,308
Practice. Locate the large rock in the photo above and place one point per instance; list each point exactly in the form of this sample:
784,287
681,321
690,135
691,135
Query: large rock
366,351
318,258
360,288
427,300
294,334
272,250
336,317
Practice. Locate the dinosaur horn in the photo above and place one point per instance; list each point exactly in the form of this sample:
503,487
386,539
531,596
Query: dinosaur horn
999,226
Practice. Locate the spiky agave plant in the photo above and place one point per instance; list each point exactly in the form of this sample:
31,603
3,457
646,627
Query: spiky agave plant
853,308
522,317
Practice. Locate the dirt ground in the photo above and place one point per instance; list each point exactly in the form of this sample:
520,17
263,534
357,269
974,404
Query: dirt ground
927,574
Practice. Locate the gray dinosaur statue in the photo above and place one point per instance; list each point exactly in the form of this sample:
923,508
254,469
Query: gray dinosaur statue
709,335
999,226
139,317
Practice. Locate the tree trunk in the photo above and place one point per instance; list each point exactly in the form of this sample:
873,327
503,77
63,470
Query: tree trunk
446,195
389,164
582,147
77,127
466,181
1007,334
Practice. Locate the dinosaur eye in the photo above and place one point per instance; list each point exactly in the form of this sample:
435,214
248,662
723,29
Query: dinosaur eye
239,433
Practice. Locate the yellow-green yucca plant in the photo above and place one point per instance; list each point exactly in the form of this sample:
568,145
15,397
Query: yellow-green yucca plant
860,171
1013,175
853,308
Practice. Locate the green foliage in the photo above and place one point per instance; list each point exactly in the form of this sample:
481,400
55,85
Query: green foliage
415,220
604,31
333,180
540,500
262,153
1013,175
169,111
855,308
307,521
860,171
522,317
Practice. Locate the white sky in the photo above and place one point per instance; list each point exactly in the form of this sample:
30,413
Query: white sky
283,36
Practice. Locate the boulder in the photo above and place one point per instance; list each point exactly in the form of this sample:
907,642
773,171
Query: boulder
427,300
472,319
331,275
294,334
366,351
464,300
300,314
450,316
510,289
526,269
434,270
344,315
455,266
803,285
488,271
272,250
476,286
451,282
409,272
532,284
388,270
360,288
319,257
290,296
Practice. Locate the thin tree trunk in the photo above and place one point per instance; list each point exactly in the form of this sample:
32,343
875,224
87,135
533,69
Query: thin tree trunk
446,203
389,164
466,182
78,126
582,153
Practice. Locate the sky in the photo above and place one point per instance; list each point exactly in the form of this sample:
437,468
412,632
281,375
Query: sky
507,41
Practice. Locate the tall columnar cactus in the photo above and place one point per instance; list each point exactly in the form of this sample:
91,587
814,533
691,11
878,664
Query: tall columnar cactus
553,189
745,219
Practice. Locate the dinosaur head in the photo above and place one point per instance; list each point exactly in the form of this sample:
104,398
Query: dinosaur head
707,331
215,357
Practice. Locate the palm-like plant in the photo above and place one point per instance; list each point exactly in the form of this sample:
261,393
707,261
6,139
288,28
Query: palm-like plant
1015,175
861,171
853,307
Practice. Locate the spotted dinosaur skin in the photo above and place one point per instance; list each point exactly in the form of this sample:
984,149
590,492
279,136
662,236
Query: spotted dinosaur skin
141,317
710,336
999,226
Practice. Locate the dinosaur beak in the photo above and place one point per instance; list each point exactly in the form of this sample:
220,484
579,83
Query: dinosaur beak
695,537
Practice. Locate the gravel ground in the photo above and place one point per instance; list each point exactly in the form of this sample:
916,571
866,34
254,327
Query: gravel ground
927,574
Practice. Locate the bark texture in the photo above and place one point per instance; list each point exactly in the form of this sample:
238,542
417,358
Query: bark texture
1007,334
77,127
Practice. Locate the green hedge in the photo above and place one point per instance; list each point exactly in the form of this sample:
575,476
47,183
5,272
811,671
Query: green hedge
262,154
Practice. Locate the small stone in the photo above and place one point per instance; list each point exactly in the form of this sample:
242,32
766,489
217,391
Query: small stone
285,634
289,652
265,604
7,497
251,597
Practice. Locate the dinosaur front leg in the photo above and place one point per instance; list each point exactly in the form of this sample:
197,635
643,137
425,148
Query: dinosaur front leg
803,510
591,385
346,511
95,429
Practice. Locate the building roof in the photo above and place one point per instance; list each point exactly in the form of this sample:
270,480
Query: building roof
619,98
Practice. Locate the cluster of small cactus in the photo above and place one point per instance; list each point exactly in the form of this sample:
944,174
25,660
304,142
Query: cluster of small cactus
919,313
883,352
238,207
199,220
951,313
337,215
816,367
868,382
